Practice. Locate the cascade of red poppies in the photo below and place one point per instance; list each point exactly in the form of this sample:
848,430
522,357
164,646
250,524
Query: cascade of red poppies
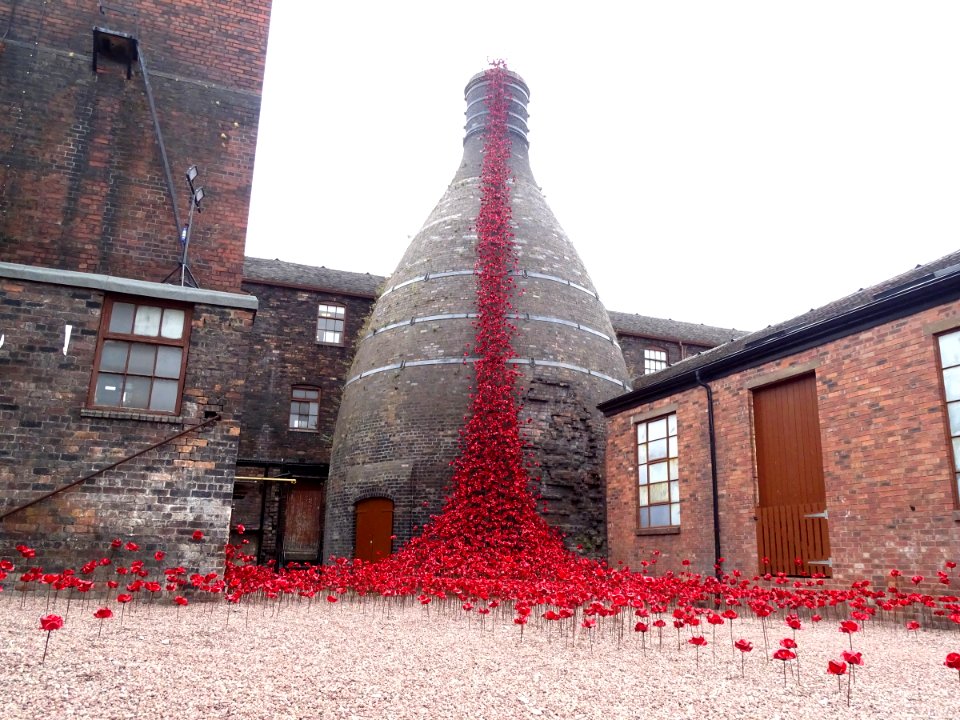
489,526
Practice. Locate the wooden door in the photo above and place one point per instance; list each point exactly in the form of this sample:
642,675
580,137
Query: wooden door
374,529
303,522
792,511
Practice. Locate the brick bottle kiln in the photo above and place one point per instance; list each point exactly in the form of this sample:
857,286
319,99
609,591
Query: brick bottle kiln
408,389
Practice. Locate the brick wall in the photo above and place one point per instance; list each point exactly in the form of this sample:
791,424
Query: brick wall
48,439
887,463
82,184
285,352
634,345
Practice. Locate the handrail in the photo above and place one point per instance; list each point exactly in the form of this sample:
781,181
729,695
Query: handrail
95,473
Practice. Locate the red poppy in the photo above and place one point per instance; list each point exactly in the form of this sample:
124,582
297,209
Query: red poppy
240,529
197,536
953,661
124,598
836,667
788,643
853,658
331,598
180,600
159,555
849,627
784,654
132,547
51,622
913,625
743,646
103,613
698,640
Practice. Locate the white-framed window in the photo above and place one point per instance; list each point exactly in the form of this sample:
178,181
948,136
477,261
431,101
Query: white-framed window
949,346
330,321
304,407
658,473
653,360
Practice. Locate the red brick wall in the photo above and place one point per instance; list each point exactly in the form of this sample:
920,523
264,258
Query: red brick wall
82,186
886,459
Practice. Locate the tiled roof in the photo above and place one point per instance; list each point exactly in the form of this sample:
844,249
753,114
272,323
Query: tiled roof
672,329
865,308
288,273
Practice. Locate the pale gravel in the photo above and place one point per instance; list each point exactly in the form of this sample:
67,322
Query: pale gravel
376,659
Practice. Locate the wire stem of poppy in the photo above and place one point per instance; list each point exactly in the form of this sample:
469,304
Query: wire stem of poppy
45,643
849,681
100,628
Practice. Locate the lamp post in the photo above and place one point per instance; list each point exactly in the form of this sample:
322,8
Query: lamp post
196,197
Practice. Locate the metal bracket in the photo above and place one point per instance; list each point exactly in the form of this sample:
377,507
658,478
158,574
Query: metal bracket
821,515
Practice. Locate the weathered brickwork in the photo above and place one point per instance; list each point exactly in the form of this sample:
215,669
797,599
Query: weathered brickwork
886,458
82,184
48,438
633,346
284,352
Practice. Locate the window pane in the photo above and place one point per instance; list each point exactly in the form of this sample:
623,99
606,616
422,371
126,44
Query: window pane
644,497
136,392
642,473
312,421
164,396
674,491
172,326
642,432
671,424
674,470
950,349
108,389
954,410
147,321
673,447
659,515
659,493
675,514
113,358
299,394
951,383
658,429
169,362
330,337
121,318
658,449
658,472
644,517
956,453
142,359
294,419
641,453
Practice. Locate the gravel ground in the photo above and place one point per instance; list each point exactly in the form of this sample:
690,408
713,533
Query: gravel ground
379,659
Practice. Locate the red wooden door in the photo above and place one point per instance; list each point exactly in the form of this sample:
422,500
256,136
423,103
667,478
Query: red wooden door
792,510
374,528
303,523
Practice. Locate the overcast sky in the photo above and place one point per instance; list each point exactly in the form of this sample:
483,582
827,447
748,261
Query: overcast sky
731,163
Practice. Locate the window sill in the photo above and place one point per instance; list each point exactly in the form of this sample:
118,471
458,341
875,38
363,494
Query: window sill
303,430
132,415
673,530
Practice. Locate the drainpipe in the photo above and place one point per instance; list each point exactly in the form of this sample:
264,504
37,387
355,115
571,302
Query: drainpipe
713,472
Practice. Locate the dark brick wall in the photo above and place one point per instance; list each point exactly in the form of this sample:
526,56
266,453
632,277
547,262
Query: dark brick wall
48,439
634,345
886,458
284,352
82,185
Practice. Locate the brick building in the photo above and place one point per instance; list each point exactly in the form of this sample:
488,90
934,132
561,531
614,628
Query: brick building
111,376
825,444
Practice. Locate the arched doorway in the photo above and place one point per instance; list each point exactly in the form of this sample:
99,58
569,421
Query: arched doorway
373,539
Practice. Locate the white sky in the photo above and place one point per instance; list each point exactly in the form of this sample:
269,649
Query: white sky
731,163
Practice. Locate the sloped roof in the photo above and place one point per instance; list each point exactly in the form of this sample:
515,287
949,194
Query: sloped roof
280,272
644,326
922,287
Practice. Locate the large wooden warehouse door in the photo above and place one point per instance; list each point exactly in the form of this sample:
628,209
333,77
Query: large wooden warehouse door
374,529
792,514
303,527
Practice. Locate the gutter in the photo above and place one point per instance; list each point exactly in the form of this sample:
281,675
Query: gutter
886,306
714,484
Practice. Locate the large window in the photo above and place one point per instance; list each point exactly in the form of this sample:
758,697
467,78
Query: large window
950,364
304,407
330,324
141,356
653,360
658,473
